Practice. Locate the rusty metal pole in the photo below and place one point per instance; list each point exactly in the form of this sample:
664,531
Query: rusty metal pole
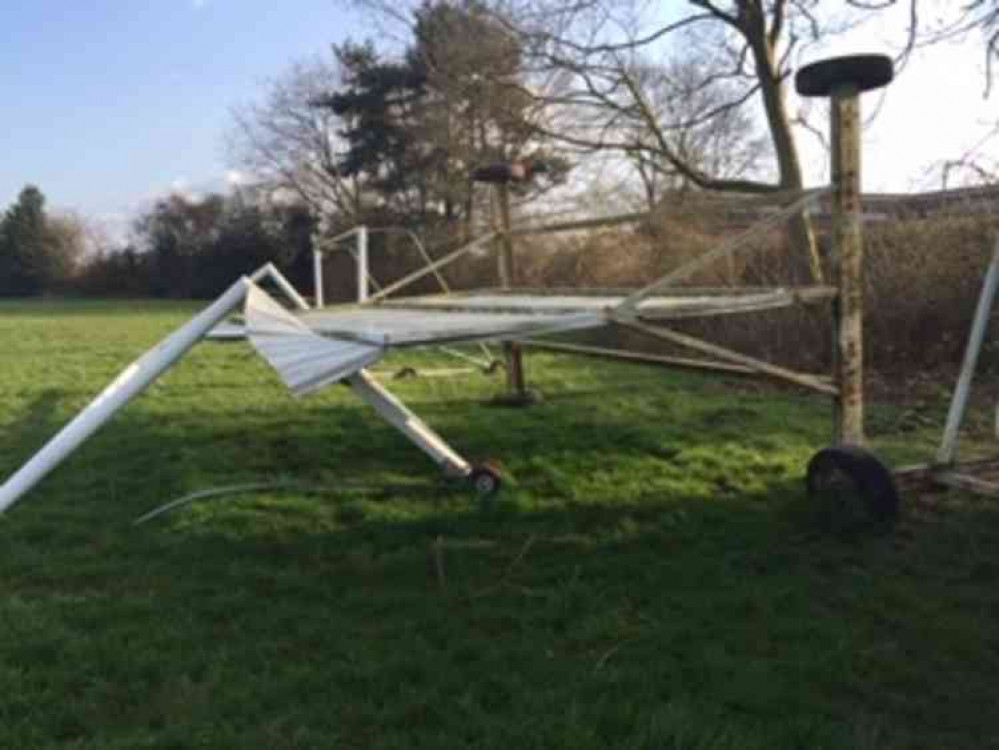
847,266
843,79
500,175
515,379
501,224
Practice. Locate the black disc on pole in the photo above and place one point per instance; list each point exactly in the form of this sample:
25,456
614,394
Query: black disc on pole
865,72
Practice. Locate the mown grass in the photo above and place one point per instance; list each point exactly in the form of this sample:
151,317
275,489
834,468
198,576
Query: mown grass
650,579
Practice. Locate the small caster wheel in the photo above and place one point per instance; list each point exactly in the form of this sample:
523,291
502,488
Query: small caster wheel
850,487
485,480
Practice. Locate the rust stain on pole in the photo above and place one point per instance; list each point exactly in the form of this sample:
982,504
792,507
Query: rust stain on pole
515,378
843,79
848,267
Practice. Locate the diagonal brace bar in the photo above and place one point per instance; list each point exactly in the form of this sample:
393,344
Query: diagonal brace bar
393,411
776,372
739,242
959,402
432,268
270,271
130,383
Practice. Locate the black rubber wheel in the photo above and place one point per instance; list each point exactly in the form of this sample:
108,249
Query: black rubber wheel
486,481
850,488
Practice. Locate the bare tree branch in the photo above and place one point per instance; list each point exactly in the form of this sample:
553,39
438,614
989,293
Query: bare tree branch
716,12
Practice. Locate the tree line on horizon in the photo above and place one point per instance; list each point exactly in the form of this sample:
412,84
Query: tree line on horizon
38,252
179,248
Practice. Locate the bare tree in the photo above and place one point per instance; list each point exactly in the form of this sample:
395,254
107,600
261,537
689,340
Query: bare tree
948,19
480,109
67,242
287,143
746,58
601,51
724,143
930,22
976,166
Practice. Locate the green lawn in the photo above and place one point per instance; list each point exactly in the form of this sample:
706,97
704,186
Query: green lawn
651,579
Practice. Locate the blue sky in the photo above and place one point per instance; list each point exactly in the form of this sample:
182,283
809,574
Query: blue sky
106,103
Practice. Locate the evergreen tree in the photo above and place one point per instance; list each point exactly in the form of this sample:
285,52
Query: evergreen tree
25,262
417,126
379,107
6,259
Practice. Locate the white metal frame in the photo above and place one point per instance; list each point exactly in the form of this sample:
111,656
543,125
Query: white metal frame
270,271
627,314
133,380
139,375
962,391
946,469
360,255
393,411
366,281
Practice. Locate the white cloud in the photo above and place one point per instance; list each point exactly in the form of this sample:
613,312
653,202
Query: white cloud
183,187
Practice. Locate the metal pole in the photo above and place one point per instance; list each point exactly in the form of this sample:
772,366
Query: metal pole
432,268
129,384
505,257
362,264
959,402
317,275
847,262
405,421
271,272
515,379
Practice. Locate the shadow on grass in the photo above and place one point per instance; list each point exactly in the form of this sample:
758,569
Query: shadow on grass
679,623
38,421
148,454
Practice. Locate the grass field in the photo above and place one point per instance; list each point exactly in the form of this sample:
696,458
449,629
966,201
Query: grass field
652,578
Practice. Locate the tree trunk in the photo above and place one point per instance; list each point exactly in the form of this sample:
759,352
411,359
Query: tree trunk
801,234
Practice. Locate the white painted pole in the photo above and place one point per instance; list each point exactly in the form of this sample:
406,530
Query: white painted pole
959,402
399,416
270,271
130,383
317,274
362,264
